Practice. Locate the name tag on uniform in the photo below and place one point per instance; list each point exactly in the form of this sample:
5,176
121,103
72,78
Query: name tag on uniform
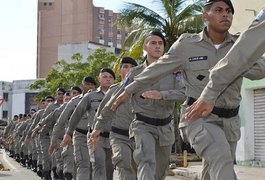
198,58
96,100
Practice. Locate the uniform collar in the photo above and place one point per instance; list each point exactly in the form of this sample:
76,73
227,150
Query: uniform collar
204,36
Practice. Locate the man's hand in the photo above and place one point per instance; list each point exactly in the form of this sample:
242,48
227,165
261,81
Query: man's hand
152,94
122,98
52,148
198,109
66,140
94,139
36,129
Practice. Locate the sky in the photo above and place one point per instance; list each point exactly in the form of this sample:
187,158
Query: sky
18,35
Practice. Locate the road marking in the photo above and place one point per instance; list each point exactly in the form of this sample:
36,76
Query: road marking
7,161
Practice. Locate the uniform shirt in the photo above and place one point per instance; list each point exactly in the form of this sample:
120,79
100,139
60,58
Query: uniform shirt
47,111
155,108
51,119
35,121
195,54
88,104
250,46
62,122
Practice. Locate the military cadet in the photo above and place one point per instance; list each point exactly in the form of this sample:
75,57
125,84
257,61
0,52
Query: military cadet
101,165
152,127
45,138
45,127
214,138
121,145
7,132
37,163
57,134
79,136
241,56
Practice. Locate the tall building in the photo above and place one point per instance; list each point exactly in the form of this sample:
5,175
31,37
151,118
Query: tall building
71,22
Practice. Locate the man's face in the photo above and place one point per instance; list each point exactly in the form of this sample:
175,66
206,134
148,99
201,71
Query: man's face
87,86
67,98
43,104
74,93
60,95
219,18
154,46
124,69
105,79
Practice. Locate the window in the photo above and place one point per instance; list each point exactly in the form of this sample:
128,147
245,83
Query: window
5,96
45,4
110,39
101,36
5,114
100,26
118,31
50,3
118,41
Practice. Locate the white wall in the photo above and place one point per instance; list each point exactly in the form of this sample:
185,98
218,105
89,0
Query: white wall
18,104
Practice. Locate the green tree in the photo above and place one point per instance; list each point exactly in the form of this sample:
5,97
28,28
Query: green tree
174,18
64,74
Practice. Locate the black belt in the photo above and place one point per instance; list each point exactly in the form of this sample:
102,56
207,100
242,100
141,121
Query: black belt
120,131
82,131
104,134
221,112
153,121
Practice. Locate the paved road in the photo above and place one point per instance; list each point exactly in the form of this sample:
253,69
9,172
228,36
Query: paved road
17,172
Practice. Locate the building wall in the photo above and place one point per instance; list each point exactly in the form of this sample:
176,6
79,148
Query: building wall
65,51
71,21
245,14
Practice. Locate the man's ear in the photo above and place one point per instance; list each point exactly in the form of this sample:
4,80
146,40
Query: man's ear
205,16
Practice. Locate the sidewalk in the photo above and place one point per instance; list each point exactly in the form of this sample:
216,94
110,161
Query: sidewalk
193,171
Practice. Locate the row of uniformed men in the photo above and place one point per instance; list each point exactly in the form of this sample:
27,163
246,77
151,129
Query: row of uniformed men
66,153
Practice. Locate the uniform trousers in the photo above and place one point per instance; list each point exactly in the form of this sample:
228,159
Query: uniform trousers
46,158
122,156
81,156
58,159
68,159
214,139
153,149
102,168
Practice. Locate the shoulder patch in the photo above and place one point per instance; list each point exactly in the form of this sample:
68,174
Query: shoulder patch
188,37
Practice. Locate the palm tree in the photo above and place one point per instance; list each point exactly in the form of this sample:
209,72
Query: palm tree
175,17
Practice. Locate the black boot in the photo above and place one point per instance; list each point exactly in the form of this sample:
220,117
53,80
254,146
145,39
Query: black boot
34,165
68,176
55,175
60,174
47,175
39,172
17,158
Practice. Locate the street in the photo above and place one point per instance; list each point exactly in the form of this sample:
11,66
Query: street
17,172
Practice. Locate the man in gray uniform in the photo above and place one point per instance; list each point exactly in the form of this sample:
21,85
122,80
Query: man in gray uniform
37,163
215,137
45,138
102,166
80,150
153,105
57,135
122,147
241,56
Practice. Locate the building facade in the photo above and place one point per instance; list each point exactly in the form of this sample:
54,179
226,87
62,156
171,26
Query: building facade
71,22
16,98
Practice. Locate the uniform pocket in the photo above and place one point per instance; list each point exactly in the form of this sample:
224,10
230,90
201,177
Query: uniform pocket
232,129
116,155
200,139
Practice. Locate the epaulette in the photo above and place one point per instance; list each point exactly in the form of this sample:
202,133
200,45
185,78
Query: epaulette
189,37
114,85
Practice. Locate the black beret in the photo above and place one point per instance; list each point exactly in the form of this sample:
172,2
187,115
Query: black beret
228,2
90,79
157,33
50,97
61,89
128,60
76,88
108,70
